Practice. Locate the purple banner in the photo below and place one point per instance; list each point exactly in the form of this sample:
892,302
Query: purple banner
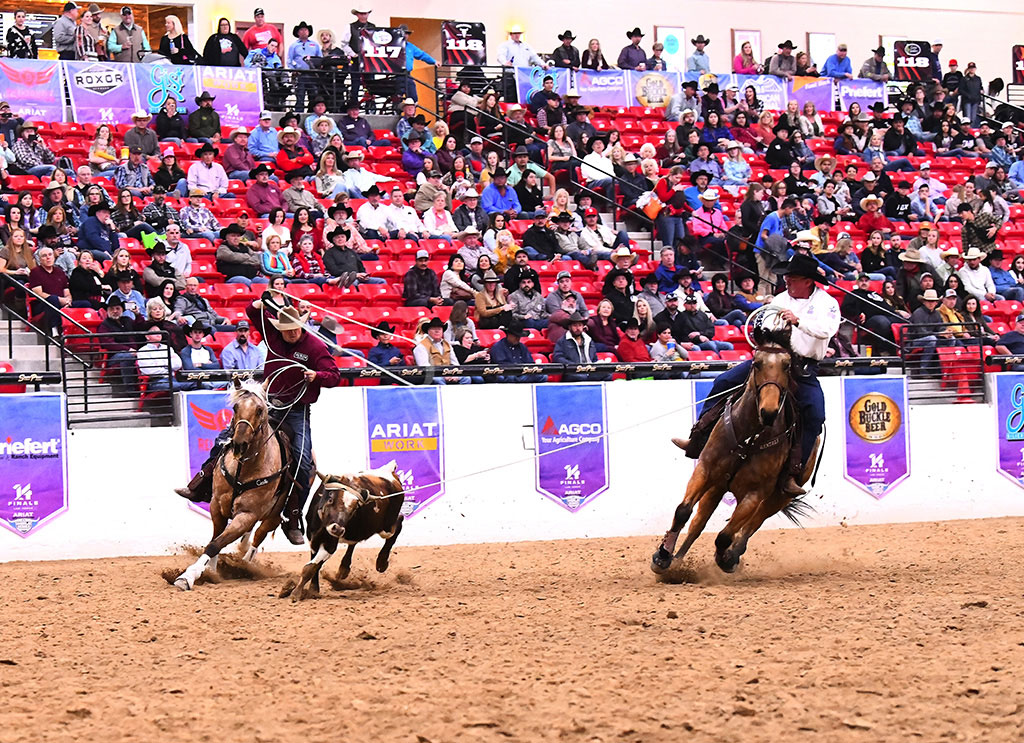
155,83
34,88
531,79
1010,425
653,89
239,92
701,390
864,92
101,92
570,424
817,90
205,414
33,463
877,442
602,88
404,425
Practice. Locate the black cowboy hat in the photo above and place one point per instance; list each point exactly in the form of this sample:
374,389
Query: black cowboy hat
157,248
436,322
562,217
514,327
879,50
695,174
413,136
336,232
205,96
372,191
382,328
597,138
499,172
197,326
782,126
574,317
566,35
207,147
878,107
302,24
711,88
418,119
700,40
96,208
630,323
691,84
801,265
635,32
335,208
520,150
231,229
46,232
581,110
787,44
124,276
261,168
115,301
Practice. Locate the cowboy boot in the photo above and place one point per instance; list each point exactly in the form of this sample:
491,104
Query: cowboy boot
701,431
794,469
200,487
291,517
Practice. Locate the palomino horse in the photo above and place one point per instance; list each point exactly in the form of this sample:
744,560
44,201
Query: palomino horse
746,454
249,484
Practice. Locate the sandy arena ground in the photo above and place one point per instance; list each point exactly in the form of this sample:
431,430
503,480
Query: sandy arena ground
889,633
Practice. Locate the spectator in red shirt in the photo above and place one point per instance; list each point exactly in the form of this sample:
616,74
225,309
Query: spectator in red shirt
293,158
51,284
872,219
238,161
631,349
261,33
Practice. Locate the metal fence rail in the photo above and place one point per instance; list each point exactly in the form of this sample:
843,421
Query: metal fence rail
944,362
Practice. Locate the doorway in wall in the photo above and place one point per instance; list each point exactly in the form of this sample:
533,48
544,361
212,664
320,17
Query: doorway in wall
426,34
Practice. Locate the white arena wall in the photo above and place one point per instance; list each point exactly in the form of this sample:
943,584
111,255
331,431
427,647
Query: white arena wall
121,500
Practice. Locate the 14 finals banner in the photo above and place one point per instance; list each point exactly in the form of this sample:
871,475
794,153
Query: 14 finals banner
877,443
1010,425
405,425
205,415
570,427
33,461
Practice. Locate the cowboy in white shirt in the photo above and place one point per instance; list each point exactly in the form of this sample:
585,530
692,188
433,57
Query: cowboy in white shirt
516,53
977,279
403,221
357,178
373,215
814,318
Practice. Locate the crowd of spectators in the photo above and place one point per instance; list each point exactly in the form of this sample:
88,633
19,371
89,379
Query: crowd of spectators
487,196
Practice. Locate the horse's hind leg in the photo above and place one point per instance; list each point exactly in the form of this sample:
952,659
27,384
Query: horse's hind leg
238,526
697,489
266,527
750,513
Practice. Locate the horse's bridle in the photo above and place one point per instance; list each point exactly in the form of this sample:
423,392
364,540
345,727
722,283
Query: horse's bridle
783,391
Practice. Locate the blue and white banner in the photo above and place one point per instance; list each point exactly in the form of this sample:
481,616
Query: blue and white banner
864,92
1010,425
877,433
33,461
404,424
101,92
570,426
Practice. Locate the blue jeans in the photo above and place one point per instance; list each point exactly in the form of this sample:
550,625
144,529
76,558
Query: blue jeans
239,280
211,236
715,346
899,163
809,397
301,446
40,170
239,175
124,362
971,111
734,317
138,231
669,229
166,383
1014,293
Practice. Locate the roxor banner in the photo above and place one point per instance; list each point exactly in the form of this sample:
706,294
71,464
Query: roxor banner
463,43
383,50
1018,64
570,426
911,60
877,444
33,461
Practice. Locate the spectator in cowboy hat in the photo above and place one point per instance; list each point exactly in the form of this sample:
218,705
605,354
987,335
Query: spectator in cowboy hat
872,219
511,350
783,64
141,135
299,55
976,278
319,106
470,212
517,53
206,176
291,156
434,350
264,194
699,61
238,161
204,122
384,353
566,55
576,348
875,68
632,57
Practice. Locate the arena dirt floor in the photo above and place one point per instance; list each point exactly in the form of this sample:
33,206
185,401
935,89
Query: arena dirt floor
890,633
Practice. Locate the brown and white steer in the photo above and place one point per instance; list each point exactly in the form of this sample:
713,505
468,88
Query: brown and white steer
351,509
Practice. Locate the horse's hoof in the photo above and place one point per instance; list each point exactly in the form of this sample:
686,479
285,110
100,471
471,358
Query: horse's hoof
661,560
382,567
182,584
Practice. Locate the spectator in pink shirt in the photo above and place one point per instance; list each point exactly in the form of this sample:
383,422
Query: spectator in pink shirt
744,63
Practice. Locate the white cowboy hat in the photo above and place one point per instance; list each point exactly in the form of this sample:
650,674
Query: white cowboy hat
470,230
973,254
140,114
870,200
911,256
930,295
288,130
470,194
289,319
709,195
318,119
808,236
515,28
356,10
236,132
946,252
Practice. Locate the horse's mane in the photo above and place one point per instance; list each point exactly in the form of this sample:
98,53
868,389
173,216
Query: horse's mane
248,387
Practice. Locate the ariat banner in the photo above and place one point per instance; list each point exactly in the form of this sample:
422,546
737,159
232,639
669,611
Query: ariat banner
404,425
877,444
570,429
33,461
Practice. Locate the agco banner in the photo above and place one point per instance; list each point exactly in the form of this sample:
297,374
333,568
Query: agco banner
205,415
1010,425
463,43
405,425
33,461
877,443
570,429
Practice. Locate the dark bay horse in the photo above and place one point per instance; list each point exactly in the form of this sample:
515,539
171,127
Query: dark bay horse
746,454
250,482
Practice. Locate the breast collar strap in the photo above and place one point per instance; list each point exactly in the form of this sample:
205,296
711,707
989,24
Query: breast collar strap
238,487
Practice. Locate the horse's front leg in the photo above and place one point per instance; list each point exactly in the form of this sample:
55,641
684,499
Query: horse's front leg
697,490
238,526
